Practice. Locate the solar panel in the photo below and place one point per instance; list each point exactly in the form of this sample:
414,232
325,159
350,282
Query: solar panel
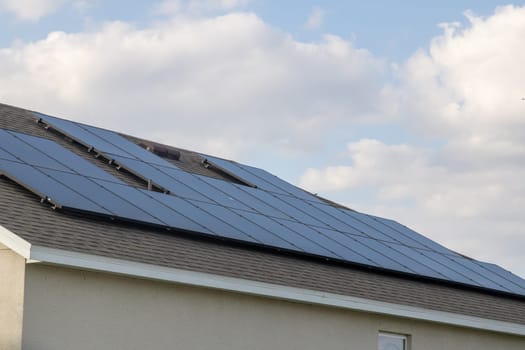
257,233
314,211
302,237
117,205
274,201
7,156
280,183
169,216
421,264
258,177
102,141
240,172
76,132
405,231
274,214
46,187
380,258
249,200
335,241
518,282
499,280
356,226
394,251
149,172
66,158
26,153
127,146
194,209
205,189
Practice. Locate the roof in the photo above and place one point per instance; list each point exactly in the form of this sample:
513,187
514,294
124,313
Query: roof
141,242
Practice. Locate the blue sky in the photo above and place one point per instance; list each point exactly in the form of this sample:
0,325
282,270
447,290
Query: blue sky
411,111
384,27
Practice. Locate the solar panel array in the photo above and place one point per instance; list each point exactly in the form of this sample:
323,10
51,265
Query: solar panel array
270,212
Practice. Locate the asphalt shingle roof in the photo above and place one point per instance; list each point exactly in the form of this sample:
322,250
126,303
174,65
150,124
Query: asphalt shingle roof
24,215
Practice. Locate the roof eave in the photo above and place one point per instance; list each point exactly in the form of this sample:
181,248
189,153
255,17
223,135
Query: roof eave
39,254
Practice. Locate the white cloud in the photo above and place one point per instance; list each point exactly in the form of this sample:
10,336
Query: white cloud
469,193
30,10
316,18
232,84
224,84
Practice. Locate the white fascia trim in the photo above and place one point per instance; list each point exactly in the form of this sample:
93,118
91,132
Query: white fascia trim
14,242
97,263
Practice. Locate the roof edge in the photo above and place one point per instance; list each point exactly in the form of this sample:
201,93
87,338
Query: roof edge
15,242
124,267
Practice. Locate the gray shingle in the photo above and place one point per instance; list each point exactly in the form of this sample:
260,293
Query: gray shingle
24,215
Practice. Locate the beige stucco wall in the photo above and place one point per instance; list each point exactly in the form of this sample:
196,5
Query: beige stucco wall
70,309
12,269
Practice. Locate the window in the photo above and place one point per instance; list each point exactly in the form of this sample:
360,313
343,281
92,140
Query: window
391,341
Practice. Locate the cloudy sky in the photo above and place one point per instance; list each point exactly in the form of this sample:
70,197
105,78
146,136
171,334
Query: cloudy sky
406,111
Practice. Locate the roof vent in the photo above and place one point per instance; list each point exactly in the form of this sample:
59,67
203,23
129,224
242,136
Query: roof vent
161,151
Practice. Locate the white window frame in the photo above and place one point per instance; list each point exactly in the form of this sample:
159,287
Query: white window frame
404,337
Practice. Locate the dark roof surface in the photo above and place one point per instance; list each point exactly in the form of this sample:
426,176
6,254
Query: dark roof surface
24,215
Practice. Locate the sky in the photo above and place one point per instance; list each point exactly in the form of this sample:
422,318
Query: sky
409,110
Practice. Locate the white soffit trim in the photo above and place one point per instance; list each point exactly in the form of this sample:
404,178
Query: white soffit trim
98,263
14,242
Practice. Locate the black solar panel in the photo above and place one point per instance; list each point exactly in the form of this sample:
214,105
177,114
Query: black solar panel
47,188
28,153
273,213
168,215
258,177
517,283
102,141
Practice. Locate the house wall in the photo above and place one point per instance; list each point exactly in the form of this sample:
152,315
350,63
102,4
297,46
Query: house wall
12,269
73,309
